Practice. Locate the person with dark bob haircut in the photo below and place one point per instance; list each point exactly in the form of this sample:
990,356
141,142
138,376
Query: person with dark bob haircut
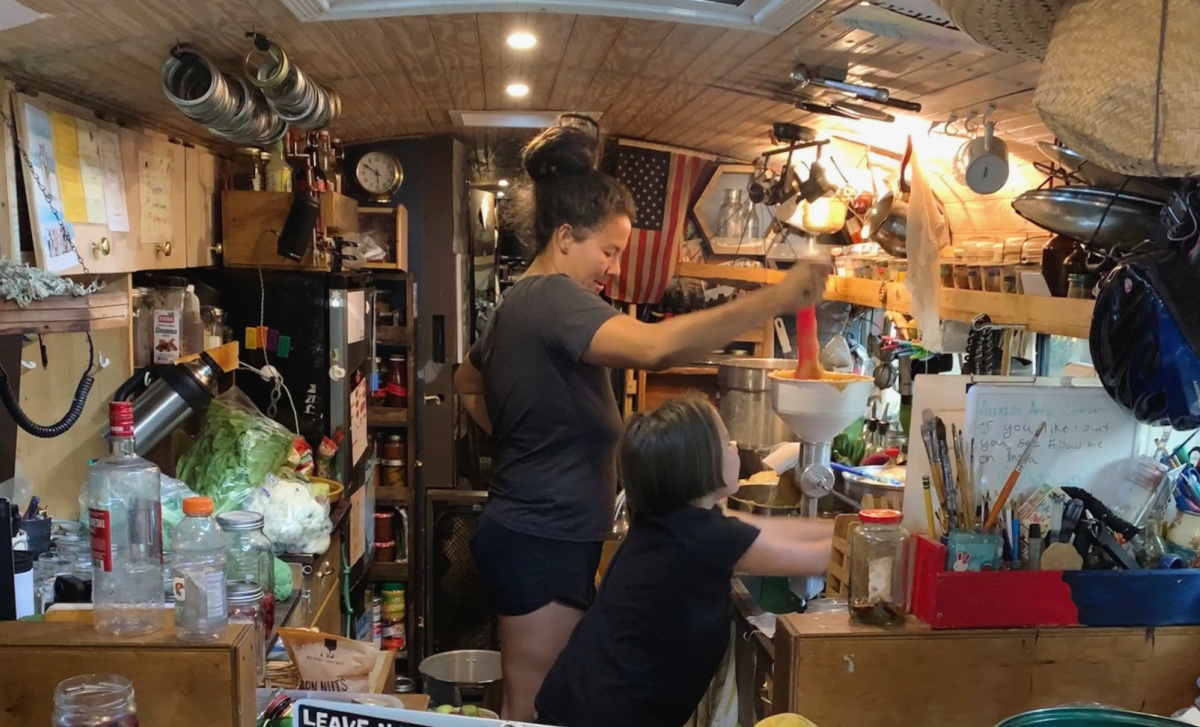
645,652
537,380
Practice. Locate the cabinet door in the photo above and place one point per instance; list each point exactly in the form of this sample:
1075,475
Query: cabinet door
200,186
157,198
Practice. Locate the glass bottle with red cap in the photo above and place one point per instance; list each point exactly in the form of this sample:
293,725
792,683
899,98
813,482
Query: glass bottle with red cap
125,522
879,569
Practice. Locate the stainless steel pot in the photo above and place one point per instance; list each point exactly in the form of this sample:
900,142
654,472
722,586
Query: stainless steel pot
470,675
887,224
753,498
744,386
855,487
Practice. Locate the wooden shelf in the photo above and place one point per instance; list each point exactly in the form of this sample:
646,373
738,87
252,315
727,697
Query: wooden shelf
392,335
1038,313
377,572
66,314
393,495
731,274
387,416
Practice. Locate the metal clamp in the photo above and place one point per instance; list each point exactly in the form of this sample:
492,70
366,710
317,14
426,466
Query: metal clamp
103,247
163,248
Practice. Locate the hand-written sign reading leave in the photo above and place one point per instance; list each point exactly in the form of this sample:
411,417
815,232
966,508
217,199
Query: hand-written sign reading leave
1087,442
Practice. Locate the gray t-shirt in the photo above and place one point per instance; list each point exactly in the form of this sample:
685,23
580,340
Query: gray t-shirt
554,418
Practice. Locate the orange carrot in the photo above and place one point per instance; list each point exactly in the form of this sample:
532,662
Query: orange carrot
808,348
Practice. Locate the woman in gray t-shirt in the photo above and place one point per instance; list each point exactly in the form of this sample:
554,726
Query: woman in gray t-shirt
537,381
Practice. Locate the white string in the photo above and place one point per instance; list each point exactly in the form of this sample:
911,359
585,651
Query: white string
277,379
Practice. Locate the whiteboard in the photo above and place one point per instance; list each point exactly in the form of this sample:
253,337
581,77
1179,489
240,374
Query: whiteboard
1088,442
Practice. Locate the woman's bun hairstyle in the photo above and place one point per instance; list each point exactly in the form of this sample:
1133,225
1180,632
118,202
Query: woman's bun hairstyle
560,151
565,187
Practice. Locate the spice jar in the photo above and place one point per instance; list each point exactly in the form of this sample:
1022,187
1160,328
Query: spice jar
878,568
393,632
248,169
245,603
397,382
249,556
95,700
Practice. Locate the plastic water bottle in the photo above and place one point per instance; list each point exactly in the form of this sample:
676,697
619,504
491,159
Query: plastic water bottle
125,523
198,573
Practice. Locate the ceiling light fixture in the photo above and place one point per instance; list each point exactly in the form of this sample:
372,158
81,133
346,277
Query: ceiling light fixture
503,182
522,41
517,90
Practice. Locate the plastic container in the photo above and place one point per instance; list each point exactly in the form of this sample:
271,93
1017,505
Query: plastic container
245,602
1086,717
95,700
878,569
249,556
168,331
125,524
198,573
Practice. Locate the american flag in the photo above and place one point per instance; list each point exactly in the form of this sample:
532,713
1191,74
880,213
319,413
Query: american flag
664,186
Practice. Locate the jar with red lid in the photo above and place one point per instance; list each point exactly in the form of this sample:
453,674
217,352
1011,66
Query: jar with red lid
95,700
397,381
879,569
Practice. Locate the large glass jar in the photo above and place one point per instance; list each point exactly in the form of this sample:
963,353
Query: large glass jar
143,328
95,700
879,568
245,602
249,556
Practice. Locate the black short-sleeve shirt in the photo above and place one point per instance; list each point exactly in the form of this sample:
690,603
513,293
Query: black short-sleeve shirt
646,651
554,418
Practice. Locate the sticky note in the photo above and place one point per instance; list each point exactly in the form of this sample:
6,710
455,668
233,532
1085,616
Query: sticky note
262,336
251,339
272,339
284,347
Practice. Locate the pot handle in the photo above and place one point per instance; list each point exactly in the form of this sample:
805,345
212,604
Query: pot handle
141,379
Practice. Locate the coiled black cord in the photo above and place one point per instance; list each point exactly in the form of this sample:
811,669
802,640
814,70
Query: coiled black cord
13,405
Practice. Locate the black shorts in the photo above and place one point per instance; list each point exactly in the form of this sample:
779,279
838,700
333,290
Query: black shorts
521,573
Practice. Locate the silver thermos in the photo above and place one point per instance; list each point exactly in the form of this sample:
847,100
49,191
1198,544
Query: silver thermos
166,396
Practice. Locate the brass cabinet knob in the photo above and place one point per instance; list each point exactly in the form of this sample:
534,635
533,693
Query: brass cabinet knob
163,248
101,248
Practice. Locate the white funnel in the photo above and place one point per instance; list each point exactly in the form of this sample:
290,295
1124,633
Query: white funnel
818,410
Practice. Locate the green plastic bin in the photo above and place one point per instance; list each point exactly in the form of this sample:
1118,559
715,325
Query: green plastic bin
1086,717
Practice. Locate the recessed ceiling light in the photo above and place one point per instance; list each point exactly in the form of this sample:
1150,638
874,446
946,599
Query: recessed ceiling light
500,195
522,41
503,182
517,89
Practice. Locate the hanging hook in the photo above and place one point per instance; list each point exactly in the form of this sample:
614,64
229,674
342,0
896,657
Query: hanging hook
973,116
950,128
103,360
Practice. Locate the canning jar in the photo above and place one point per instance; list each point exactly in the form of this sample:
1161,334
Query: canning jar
143,328
245,603
95,700
397,381
878,568
249,555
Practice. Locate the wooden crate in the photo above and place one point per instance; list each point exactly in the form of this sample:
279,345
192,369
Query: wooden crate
66,314
176,683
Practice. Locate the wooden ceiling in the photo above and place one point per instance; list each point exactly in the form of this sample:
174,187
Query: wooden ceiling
694,86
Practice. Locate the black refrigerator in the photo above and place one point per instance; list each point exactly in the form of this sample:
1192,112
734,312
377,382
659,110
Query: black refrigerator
317,330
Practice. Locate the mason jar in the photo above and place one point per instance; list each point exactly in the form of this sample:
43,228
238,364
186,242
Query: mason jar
879,569
95,700
249,555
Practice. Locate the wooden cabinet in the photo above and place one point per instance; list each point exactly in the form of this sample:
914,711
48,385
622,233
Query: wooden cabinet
251,222
154,171
176,683
839,674
317,581
200,206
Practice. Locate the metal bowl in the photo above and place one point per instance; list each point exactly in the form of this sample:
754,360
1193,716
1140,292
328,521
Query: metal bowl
856,488
753,498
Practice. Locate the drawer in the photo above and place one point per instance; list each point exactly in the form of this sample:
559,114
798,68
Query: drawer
315,578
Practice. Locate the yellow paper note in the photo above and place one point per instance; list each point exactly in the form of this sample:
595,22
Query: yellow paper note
91,167
70,179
